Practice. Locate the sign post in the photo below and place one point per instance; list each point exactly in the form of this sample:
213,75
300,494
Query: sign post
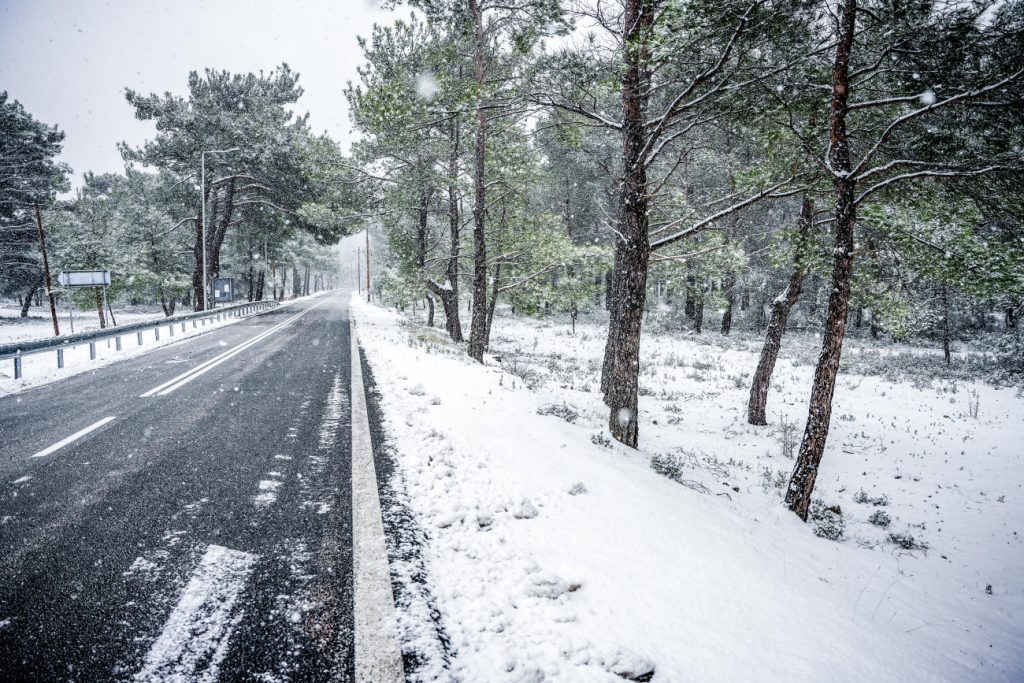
223,290
74,279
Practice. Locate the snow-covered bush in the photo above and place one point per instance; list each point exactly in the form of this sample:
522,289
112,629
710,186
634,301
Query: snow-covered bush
827,520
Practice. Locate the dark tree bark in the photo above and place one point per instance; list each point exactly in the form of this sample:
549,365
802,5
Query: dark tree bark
46,271
27,302
167,304
296,282
945,325
780,308
620,378
99,308
260,284
690,307
730,300
451,302
812,447
478,324
695,300
215,233
1010,319
492,304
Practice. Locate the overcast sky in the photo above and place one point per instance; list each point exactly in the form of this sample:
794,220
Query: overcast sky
69,61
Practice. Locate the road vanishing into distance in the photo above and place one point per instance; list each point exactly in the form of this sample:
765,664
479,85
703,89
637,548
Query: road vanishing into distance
188,514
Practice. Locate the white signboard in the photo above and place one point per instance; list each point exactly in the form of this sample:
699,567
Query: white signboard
84,278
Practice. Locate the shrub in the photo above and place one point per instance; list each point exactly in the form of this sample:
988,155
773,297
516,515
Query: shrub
864,499
562,410
881,519
827,521
906,541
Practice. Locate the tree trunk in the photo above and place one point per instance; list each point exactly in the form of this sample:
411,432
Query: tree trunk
28,297
167,305
698,305
430,311
783,304
812,447
491,305
1010,319
296,282
99,308
478,325
945,324
690,307
730,300
451,301
620,375
46,271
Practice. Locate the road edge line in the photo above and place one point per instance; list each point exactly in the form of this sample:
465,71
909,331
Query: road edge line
378,658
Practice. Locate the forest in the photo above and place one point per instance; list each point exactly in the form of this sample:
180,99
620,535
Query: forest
845,168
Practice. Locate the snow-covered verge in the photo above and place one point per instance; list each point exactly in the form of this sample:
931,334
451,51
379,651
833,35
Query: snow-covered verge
555,555
41,368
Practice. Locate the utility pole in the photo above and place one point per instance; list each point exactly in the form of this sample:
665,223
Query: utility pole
202,197
359,269
46,272
367,265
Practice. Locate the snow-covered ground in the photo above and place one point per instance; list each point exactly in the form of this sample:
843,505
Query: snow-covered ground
554,554
41,368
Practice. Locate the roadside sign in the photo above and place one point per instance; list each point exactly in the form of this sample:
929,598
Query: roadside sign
223,290
84,278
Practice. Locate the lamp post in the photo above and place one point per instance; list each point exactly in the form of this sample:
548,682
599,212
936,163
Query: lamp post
202,198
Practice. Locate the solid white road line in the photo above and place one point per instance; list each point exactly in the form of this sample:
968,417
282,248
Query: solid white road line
74,437
189,375
195,637
378,658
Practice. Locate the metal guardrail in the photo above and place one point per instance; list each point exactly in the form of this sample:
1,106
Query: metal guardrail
59,345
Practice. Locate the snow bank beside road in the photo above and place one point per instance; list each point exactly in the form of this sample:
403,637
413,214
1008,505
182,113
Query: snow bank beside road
555,558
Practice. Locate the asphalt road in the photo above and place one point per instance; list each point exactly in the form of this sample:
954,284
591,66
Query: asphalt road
205,531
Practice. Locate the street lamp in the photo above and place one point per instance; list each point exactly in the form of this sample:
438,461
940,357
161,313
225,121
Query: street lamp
202,198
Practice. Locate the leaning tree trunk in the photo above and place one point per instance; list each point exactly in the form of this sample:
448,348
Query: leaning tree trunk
620,376
783,304
167,304
28,297
478,325
812,447
99,308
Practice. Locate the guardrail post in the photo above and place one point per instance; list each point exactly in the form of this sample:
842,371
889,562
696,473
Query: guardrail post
117,343
139,337
170,329
92,350
156,333
17,367
183,326
194,323
60,359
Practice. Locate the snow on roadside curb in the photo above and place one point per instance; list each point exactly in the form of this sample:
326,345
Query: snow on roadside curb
553,558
